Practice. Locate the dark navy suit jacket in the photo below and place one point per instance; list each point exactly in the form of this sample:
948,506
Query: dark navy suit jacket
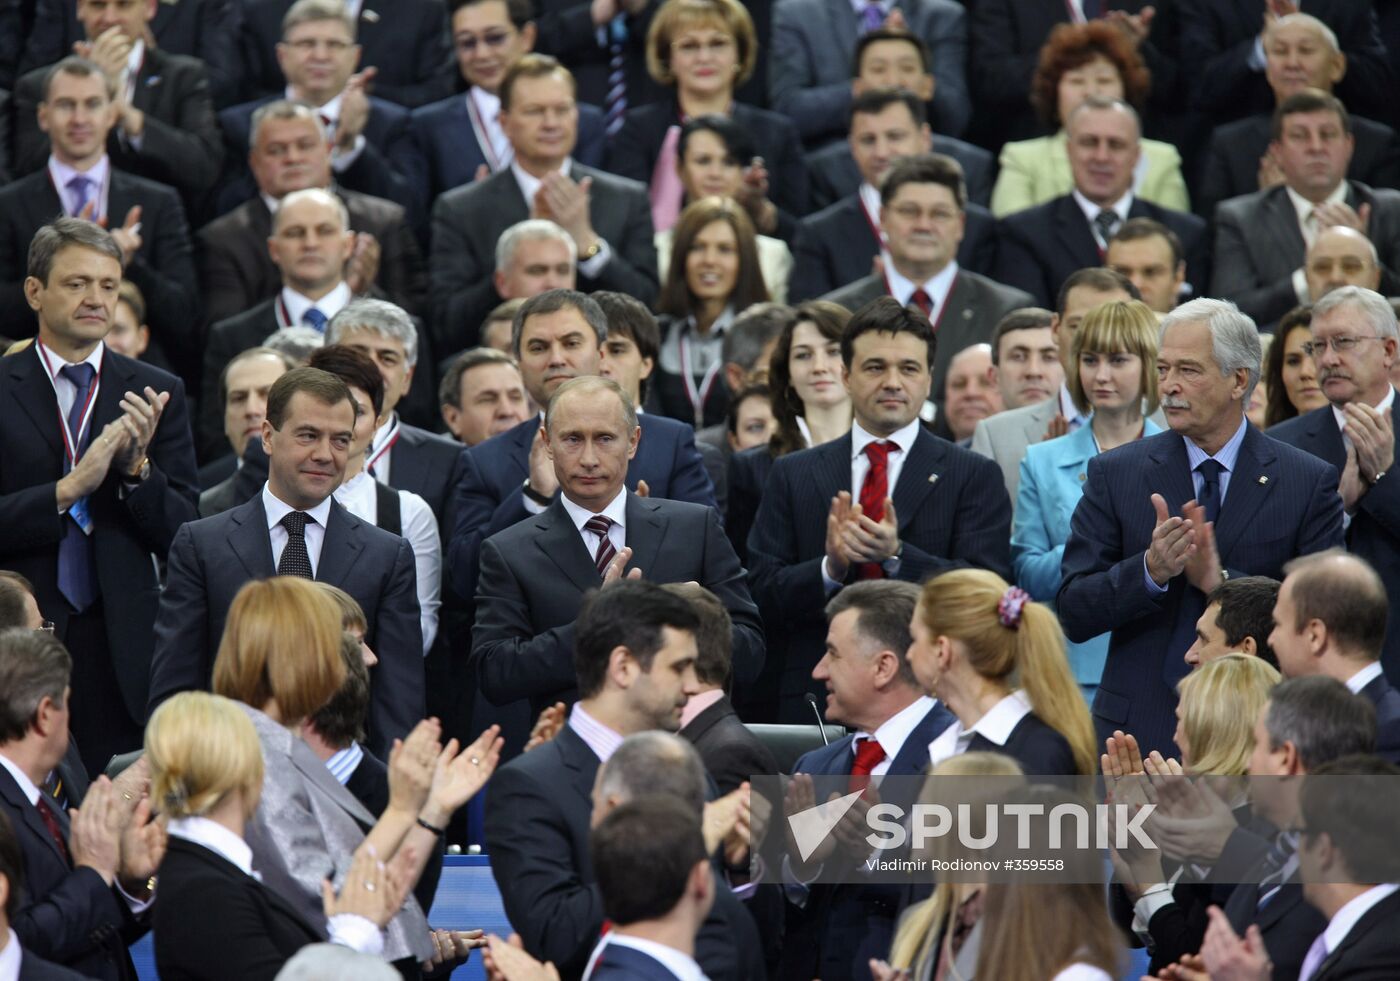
953,513
1387,702
443,151
491,498
1280,503
1374,532
843,927
618,963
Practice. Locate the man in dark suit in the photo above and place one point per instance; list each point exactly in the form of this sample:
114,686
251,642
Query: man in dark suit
1223,66
78,884
294,528
1261,238
454,138
636,667
289,153
1132,568
1041,246
838,245
923,202
368,136
1330,619
80,179
508,478
84,534
30,967
602,44
891,58
206,30
814,46
406,42
165,128
608,217
1354,344
1150,255
889,500
870,689
731,753
243,388
534,575
1299,52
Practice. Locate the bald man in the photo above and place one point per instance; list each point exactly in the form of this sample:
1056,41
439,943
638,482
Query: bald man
1341,256
972,392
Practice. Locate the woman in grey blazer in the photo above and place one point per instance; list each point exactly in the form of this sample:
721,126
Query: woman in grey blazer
280,657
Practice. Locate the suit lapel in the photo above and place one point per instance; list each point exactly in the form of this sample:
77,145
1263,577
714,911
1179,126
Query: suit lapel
646,530
562,544
1073,232
341,548
1038,421
918,477
1285,238
116,378
249,539
29,814
958,312
148,81
409,464
1324,438
580,760
1253,479
1173,477
520,437
34,393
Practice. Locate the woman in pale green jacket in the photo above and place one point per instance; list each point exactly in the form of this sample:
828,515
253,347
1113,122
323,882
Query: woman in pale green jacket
1080,60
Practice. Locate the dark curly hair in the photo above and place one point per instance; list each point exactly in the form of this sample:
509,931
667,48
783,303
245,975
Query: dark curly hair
830,319
1072,46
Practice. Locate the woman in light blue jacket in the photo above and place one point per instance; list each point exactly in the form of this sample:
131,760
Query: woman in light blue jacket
1115,378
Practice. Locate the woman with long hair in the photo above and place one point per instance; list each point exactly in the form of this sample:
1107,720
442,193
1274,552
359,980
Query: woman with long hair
1078,61
1114,377
1290,373
997,660
713,275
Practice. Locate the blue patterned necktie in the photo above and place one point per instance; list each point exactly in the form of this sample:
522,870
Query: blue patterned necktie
872,18
315,319
82,190
77,574
1210,471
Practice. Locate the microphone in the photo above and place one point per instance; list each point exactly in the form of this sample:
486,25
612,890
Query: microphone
821,724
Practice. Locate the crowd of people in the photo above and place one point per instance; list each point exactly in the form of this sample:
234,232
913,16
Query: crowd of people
406,401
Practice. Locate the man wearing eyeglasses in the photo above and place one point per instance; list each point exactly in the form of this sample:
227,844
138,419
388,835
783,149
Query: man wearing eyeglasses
1354,346
923,204
461,138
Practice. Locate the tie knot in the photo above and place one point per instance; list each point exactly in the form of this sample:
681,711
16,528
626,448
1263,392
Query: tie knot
1210,469
79,183
879,451
598,524
1106,221
869,753
80,375
295,522
315,319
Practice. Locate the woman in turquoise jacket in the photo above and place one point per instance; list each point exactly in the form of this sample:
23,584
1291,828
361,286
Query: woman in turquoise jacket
1115,378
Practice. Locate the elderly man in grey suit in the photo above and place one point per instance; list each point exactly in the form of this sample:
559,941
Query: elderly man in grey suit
1261,239
1005,436
923,202
294,528
608,217
814,46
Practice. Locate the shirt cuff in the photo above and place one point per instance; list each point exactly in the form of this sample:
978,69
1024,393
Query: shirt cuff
594,266
794,888
354,931
1155,899
1256,61
832,585
1300,285
343,160
137,906
1152,586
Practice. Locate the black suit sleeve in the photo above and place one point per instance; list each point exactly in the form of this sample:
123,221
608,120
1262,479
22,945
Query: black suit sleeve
61,924
169,497
430,52
1000,76
556,913
180,660
463,290
724,577
397,698
632,152
403,274
188,151
981,535
1019,265
222,286
1235,276
788,588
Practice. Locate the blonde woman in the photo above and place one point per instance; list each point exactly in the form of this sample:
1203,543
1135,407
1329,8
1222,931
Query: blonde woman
213,917
997,660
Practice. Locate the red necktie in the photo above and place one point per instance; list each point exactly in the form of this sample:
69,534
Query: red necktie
868,756
873,493
923,301
51,822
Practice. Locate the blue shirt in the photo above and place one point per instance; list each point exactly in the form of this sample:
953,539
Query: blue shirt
1227,456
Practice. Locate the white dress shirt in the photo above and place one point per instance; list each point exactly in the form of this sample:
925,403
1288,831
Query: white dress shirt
63,389
995,726
1091,211
895,731
1341,416
530,186
937,288
1082,972
860,466
358,496
617,531
681,965
10,958
485,113
99,173
1304,209
315,532
1347,917
342,763
331,304
1364,677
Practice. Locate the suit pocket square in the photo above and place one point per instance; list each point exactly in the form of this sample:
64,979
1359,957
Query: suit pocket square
369,16
153,81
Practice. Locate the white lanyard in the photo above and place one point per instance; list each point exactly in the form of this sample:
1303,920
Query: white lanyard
483,135
698,395
390,438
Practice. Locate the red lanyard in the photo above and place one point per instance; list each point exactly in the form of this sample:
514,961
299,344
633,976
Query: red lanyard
384,447
938,317
71,442
483,135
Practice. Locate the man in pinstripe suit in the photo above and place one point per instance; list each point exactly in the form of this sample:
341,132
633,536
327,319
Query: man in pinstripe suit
1166,519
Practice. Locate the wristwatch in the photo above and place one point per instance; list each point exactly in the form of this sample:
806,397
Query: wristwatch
142,472
535,495
592,250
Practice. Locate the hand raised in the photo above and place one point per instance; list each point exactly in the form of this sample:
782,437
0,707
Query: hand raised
613,573
458,776
412,763
838,559
547,726
95,831
1203,561
1172,542
542,478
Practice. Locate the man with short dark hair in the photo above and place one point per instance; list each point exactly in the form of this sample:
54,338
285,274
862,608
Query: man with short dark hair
1239,618
888,500
1026,357
534,575
96,473
629,355
81,180
294,527
482,395
1040,247
243,387
18,607
1149,254
1261,239
923,202
839,244
1330,619
24,964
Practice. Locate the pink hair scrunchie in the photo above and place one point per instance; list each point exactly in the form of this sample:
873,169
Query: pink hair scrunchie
1009,607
